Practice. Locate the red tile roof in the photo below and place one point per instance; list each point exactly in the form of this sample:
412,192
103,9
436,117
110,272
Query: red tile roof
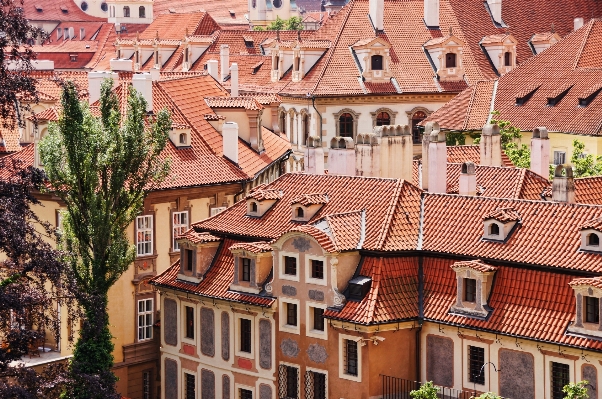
593,224
220,11
260,193
16,161
234,102
197,238
503,215
310,199
593,281
346,229
470,153
51,10
476,264
588,190
255,247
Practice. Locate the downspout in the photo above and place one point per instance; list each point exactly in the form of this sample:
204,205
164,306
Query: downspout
313,103
420,316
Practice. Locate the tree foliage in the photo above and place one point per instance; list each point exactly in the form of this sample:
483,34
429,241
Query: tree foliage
101,168
426,391
489,395
519,154
576,390
585,165
293,23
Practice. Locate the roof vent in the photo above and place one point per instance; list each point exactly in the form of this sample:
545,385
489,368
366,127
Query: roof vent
64,9
587,97
358,288
525,95
591,233
558,95
499,224
39,8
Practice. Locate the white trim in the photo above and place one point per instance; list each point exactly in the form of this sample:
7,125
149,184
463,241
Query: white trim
144,223
308,278
183,305
299,380
281,273
342,373
548,372
321,371
465,369
144,314
183,372
282,302
237,336
238,387
309,321
182,227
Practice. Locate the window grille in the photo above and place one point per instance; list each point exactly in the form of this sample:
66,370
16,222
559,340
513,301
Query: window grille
146,385
291,314
288,382
351,357
346,125
145,319
245,335
246,394
190,387
592,310
144,235
317,269
189,322
476,360
377,62
560,378
246,269
126,12
290,265
318,319
470,290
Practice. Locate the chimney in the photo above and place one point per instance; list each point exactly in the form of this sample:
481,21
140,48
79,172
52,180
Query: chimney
314,156
437,163
212,69
468,180
143,83
577,23
396,151
121,65
495,7
563,185
367,155
234,80
377,8
42,65
426,139
230,139
491,146
341,157
95,80
431,13
224,59
155,74
540,152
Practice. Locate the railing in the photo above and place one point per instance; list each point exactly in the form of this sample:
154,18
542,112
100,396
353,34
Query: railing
398,388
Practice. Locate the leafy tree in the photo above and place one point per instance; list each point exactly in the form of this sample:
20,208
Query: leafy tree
455,138
585,165
576,390
101,168
426,391
258,28
489,395
519,154
294,23
278,24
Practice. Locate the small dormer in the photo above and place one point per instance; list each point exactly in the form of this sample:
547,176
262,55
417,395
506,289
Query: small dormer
260,200
305,206
278,61
193,48
299,56
197,251
374,60
501,50
180,135
358,288
499,224
542,41
591,235
446,57
474,280
588,293
252,266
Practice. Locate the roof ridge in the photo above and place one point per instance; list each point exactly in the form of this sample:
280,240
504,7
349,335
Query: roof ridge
375,289
386,226
470,103
589,28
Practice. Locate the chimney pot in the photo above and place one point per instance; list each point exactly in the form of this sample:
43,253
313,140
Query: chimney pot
234,80
431,13
224,55
563,185
95,80
314,156
540,152
230,141
491,145
143,83
212,69
377,8
467,184
437,162
577,23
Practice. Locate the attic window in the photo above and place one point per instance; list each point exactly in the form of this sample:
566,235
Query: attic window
499,224
507,58
587,98
39,8
470,290
377,62
593,240
557,96
73,57
359,288
254,207
494,229
249,42
64,9
450,60
232,13
183,138
522,99
299,212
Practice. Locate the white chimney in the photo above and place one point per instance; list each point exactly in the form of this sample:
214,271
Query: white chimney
491,146
234,80
82,33
367,155
143,83
42,65
495,7
563,185
121,65
540,152
314,156
377,9
396,151
341,157
437,163
95,80
224,59
155,74
426,139
212,69
431,13
577,23
230,139
467,185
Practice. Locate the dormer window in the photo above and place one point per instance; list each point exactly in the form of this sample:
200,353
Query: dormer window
494,229
359,288
260,200
588,293
188,259
590,235
180,135
500,223
470,290
252,266
474,279
245,269
501,50
592,310
377,62
507,58
183,138
445,55
253,207
299,212
373,59
593,240
450,60
305,206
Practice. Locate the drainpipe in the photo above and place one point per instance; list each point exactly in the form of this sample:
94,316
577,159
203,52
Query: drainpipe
313,103
420,315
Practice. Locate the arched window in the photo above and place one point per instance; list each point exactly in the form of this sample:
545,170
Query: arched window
141,12
183,138
126,11
377,62
305,128
282,122
299,212
346,125
494,229
253,206
383,119
418,117
104,7
507,58
593,240
450,60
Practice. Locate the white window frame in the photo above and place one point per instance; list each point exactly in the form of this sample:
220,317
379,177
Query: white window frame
548,372
196,382
283,301
315,370
186,340
281,273
554,152
342,348
237,337
180,227
216,210
238,387
144,314
465,370
149,228
308,278
309,321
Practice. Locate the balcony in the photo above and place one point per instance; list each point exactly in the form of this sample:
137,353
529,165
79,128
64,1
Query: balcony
398,388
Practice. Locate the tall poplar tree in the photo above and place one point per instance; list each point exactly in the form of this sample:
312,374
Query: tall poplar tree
101,168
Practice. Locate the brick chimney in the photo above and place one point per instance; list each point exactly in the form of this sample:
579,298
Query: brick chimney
212,69
491,146
314,156
341,157
467,185
396,151
426,139
230,141
95,80
540,152
224,59
431,13
234,80
563,185
367,155
377,9
437,163
143,83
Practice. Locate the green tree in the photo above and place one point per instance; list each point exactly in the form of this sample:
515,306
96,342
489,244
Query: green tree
489,395
101,168
294,23
278,24
426,391
258,28
585,165
519,154
576,390
455,138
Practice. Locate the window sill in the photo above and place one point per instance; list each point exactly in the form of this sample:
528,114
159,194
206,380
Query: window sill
289,277
350,377
317,334
245,355
290,329
146,257
316,281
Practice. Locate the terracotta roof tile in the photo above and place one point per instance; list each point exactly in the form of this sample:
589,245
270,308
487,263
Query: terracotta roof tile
310,199
593,281
197,238
346,229
503,215
220,11
588,190
477,265
16,161
260,193
51,10
470,153
233,102
593,224
255,247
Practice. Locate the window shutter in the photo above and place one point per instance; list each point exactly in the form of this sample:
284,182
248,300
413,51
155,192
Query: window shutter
282,381
309,385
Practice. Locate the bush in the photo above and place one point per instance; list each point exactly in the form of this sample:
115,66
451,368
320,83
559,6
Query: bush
426,391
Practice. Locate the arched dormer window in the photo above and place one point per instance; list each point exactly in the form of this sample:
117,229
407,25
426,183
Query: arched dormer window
183,138
126,12
494,229
383,118
450,60
299,212
377,62
141,12
593,240
297,63
346,125
507,58
253,206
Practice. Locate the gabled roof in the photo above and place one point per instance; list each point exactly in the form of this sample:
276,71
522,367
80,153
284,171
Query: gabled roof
503,215
310,199
254,247
220,11
52,10
346,230
595,224
260,193
197,238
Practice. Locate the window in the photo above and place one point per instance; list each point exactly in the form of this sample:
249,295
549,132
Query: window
476,360
145,319
377,62
126,11
290,265
450,60
292,388
190,389
317,269
470,290
297,63
180,225
592,310
246,269
346,125
560,378
186,51
559,157
104,7
507,58
299,212
319,388
146,383
182,135
141,12
291,314
84,6
189,322
494,229
246,394
383,119
144,235
245,335
73,57
351,357
253,206
189,259
418,117
277,3
593,240
305,128
282,114
318,318
254,3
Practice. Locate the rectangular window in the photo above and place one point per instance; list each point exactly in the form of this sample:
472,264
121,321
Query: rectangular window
180,225
245,335
318,319
317,269
351,357
189,259
291,314
246,269
560,378
145,319
189,322
292,388
592,309
146,385
190,389
144,235
470,290
246,394
559,157
319,388
476,360
290,265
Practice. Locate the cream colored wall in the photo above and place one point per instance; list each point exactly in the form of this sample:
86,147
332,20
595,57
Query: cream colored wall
241,118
